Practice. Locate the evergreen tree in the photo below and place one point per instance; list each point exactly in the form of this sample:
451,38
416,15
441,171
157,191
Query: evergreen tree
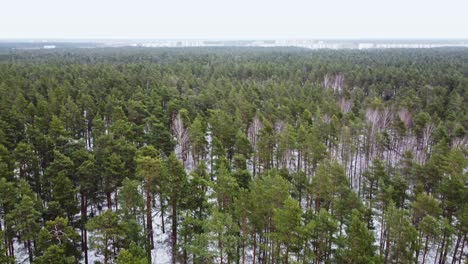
54,254
174,187
58,237
64,194
287,222
401,237
134,255
358,245
25,222
108,235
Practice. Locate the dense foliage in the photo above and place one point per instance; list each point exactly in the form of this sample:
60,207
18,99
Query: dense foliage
233,155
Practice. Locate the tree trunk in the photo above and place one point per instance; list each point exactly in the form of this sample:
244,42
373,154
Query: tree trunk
185,249
174,231
461,250
149,218
106,251
30,251
446,249
426,245
109,200
254,248
84,240
455,251
149,221
221,253
442,248
163,227
12,248
387,248
243,244
437,252
116,201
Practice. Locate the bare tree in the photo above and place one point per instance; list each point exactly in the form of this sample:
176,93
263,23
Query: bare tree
252,134
345,105
181,135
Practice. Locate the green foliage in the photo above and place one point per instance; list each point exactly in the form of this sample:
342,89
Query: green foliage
401,241
278,159
54,254
108,234
134,255
58,240
358,246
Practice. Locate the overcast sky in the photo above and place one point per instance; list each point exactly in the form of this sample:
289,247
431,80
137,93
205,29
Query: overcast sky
235,19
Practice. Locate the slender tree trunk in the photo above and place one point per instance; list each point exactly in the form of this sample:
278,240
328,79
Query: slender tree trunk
455,251
106,251
243,244
149,221
254,248
382,238
84,241
12,248
319,255
174,231
462,249
426,245
185,250
387,248
442,249
317,203
109,200
116,201
149,217
437,252
162,216
30,251
221,253
446,249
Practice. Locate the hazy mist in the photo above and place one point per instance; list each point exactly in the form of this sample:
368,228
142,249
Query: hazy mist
233,19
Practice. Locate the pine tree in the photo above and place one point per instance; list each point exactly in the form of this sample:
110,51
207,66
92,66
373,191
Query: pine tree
8,196
174,187
218,241
58,236
197,138
25,222
6,163
54,254
401,237
88,178
114,172
4,250
358,245
64,194
150,170
28,164
133,254
323,231
132,210
61,164
226,188
287,222
108,234
430,230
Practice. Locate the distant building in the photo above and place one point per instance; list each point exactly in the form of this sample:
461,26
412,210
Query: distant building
366,45
49,47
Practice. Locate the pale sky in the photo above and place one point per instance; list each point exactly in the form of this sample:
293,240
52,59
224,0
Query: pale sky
235,19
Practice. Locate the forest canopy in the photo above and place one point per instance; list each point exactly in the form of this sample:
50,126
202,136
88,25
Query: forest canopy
233,155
